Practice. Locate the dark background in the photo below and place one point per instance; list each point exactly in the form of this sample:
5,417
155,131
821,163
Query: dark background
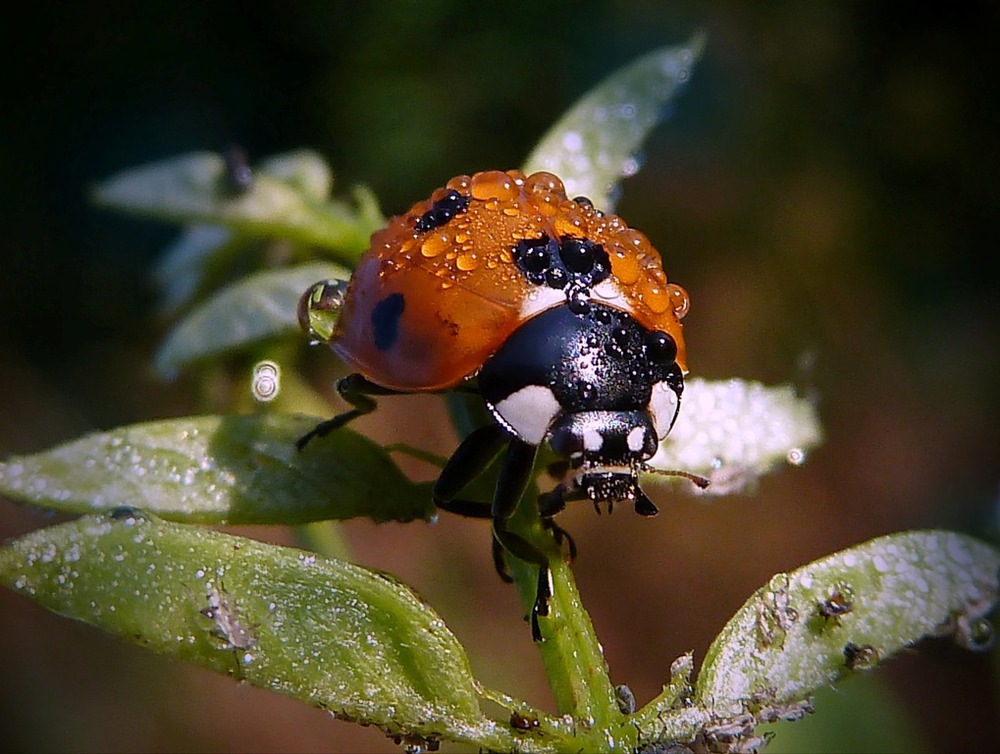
826,190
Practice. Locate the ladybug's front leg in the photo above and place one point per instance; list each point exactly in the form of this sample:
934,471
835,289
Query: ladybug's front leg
357,391
511,484
468,461
471,458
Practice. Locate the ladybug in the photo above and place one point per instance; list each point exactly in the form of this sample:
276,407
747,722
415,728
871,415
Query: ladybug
558,314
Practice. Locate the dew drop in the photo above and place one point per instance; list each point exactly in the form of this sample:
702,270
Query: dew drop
572,141
981,635
265,383
493,185
679,299
796,456
435,244
626,269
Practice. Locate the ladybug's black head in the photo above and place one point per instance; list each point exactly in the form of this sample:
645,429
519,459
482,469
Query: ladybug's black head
606,450
599,387
604,439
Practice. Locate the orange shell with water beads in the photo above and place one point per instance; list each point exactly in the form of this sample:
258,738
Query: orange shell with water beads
444,285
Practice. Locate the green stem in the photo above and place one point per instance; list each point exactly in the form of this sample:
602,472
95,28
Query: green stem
572,656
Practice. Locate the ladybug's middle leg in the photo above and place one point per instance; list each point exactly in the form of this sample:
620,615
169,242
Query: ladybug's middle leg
356,390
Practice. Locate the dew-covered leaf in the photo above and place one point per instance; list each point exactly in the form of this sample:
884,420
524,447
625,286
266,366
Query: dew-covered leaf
847,612
592,147
195,188
259,306
348,639
212,469
669,717
735,431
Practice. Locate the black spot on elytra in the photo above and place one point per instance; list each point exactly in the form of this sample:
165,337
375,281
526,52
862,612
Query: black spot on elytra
385,320
441,212
567,263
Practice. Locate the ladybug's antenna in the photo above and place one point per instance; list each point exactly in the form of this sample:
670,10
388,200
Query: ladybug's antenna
698,481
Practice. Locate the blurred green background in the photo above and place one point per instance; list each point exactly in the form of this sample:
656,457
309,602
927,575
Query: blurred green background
826,189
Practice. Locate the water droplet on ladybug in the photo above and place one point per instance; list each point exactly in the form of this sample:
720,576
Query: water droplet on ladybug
435,244
680,302
493,184
319,309
466,262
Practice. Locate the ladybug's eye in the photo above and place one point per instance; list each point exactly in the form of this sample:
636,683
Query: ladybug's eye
661,347
566,442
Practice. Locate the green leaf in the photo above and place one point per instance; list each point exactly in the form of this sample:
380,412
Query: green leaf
779,649
303,169
735,431
259,306
213,469
348,639
192,188
203,251
592,147
181,270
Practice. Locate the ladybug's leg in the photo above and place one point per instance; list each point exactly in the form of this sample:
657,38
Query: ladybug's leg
551,503
560,535
470,460
356,390
514,476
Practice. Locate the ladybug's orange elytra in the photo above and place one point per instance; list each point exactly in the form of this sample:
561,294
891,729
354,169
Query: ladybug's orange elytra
432,300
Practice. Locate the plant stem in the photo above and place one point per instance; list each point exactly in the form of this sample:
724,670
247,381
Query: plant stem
572,656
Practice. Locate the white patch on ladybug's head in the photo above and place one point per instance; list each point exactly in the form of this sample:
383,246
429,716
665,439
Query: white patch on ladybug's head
663,404
636,439
528,412
593,440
